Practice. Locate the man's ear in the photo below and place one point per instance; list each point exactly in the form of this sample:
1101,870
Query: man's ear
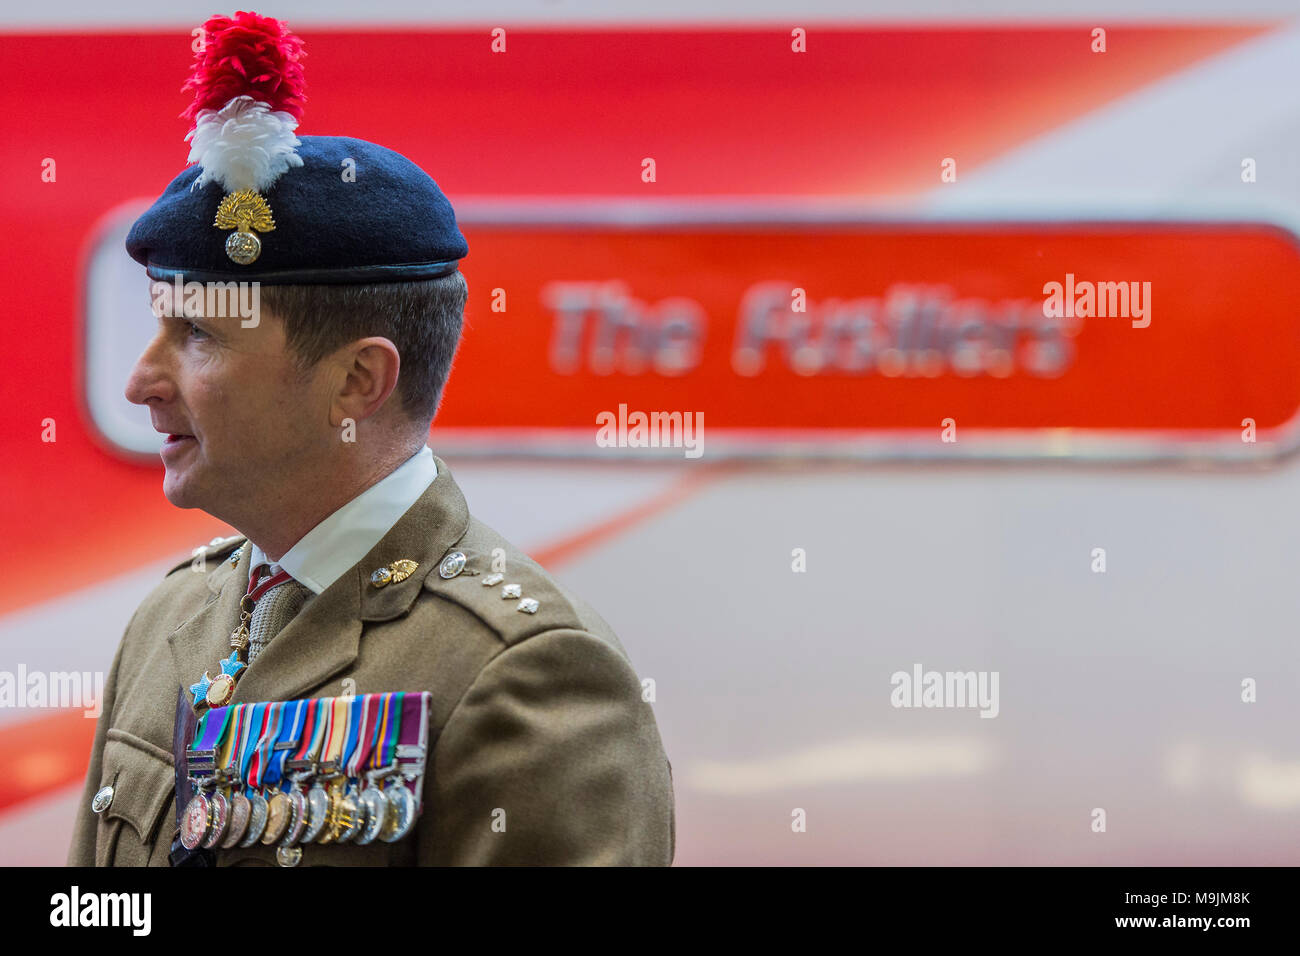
367,375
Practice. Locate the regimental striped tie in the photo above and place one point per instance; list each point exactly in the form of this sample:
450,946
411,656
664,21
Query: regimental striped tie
273,611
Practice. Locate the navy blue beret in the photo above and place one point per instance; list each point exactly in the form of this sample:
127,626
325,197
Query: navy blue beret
391,224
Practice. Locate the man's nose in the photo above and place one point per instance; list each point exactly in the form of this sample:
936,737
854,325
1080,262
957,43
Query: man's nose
149,378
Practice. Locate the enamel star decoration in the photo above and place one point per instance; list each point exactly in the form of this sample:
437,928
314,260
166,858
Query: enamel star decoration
216,692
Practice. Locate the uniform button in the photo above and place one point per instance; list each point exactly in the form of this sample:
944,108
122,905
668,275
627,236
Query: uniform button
452,565
102,799
288,855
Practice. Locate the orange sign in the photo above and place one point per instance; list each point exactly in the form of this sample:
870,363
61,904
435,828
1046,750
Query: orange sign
1066,336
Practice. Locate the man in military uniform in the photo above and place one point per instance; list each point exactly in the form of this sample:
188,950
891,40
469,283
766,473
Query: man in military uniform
360,570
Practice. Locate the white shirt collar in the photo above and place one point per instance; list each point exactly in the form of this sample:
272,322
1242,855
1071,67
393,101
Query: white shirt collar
329,550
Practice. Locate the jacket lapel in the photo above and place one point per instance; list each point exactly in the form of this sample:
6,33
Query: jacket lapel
198,645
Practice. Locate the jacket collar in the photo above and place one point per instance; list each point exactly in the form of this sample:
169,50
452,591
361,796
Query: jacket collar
322,640
331,548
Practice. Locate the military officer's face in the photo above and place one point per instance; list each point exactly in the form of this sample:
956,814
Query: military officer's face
242,425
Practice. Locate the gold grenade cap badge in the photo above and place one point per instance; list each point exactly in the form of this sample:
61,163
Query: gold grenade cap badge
244,211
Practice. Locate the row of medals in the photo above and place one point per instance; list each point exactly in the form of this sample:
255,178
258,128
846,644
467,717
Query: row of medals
321,815
290,818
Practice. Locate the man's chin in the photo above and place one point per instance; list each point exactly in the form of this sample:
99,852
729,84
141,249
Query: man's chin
179,491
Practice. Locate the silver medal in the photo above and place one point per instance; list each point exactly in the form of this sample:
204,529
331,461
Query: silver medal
402,810
318,812
256,819
220,809
374,807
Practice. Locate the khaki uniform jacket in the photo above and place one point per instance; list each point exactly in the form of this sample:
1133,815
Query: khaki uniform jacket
536,720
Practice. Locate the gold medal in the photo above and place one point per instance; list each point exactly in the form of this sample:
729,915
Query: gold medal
329,833
329,770
217,691
347,817
277,818
220,690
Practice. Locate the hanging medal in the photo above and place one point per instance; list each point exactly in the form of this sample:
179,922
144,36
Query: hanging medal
194,822
348,812
201,758
331,763
383,743
278,802
318,801
220,800
367,737
403,804
239,805
261,718
274,723
299,768
218,691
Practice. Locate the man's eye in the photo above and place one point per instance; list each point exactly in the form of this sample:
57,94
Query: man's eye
195,329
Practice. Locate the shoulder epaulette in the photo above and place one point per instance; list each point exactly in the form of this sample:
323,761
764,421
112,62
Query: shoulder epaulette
214,550
516,603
